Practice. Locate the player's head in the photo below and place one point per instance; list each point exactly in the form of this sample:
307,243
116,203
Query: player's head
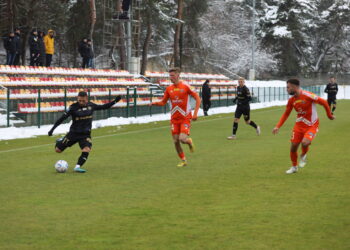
293,86
174,74
241,81
332,79
82,98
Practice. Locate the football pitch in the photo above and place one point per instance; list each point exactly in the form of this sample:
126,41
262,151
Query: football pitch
232,195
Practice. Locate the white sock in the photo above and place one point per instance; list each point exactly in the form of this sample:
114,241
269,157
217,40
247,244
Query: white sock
77,166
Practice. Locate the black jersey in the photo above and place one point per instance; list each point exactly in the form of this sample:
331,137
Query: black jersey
332,90
243,96
81,116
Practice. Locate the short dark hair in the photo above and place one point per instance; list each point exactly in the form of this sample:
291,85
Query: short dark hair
176,70
294,81
82,94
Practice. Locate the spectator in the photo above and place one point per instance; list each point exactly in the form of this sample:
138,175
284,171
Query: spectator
10,47
82,51
18,45
206,95
34,48
49,42
123,10
42,58
90,53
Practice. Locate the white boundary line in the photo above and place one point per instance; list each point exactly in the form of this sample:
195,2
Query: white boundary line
130,132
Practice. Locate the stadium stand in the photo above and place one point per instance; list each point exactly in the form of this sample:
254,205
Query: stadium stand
52,90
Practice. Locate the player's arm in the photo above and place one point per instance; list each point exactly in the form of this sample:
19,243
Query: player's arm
284,117
324,103
60,120
163,101
326,89
198,104
336,89
247,94
107,105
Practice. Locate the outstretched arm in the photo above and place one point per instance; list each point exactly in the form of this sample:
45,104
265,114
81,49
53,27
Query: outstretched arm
324,103
163,101
284,117
108,105
59,121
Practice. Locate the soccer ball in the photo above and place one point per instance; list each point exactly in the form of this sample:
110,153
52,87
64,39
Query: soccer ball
61,166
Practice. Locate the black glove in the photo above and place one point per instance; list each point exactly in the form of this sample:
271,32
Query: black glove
118,98
234,101
50,132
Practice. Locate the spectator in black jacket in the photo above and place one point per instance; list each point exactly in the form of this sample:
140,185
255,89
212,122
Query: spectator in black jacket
18,45
34,48
90,53
206,95
123,10
10,47
81,49
42,51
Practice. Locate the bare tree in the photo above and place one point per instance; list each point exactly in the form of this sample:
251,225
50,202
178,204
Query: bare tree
92,17
177,36
146,47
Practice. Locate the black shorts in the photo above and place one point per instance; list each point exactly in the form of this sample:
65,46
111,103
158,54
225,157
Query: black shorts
243,110
332,100
70,139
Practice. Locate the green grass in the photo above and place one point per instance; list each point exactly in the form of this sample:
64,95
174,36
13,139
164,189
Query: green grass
233,195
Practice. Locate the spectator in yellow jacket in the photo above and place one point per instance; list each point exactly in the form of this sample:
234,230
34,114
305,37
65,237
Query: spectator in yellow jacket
49,42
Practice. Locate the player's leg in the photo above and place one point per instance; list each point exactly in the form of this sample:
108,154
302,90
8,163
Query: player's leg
305,144
238,115
184,134
179,150
64,142
85,144
334,105
175,131
296,139
247,120
294,158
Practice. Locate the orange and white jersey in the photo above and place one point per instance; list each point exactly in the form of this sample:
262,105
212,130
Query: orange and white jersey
305,106
179,96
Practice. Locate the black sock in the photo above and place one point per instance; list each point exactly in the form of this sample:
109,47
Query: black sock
235,127
253,124
82,159
333,109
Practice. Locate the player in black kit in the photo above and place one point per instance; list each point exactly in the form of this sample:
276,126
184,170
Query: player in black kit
242,99
80,130
332,90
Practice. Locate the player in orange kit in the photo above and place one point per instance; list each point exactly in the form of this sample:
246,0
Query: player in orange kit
307,122
179,94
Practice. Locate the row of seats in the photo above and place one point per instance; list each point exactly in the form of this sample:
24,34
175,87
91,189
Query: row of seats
59,106
33,107
59,93
67,81
7,69
186,75
197,82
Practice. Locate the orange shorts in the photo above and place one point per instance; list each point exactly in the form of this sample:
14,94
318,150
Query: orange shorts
301,132
181,127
